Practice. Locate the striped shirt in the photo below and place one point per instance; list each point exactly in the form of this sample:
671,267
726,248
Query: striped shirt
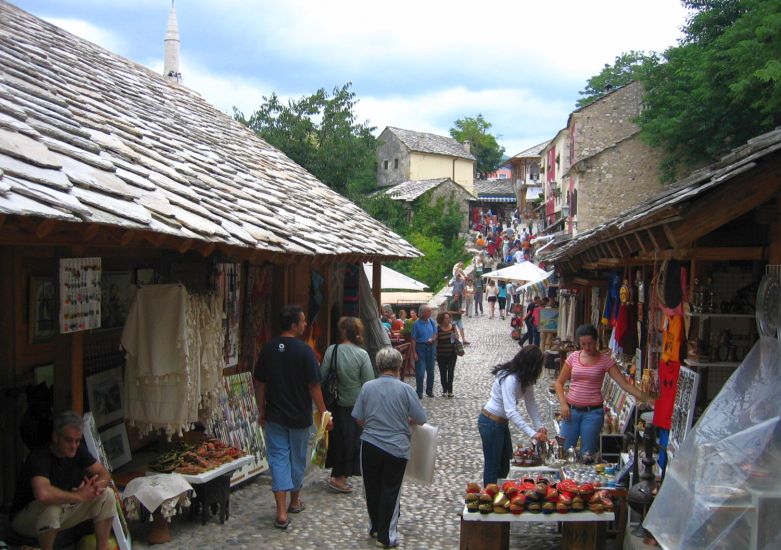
585,387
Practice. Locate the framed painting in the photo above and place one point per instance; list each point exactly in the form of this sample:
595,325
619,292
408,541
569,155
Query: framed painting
105,394
145,276
549,319
116,445
42,310
115,298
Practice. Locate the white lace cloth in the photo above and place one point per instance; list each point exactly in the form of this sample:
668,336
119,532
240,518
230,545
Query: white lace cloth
163,492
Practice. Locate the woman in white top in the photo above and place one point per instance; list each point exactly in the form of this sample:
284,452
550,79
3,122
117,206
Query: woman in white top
514,379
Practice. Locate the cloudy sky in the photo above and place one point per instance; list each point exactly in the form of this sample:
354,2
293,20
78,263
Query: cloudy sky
414,64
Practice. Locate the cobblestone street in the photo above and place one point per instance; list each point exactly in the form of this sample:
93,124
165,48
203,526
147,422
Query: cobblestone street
429,513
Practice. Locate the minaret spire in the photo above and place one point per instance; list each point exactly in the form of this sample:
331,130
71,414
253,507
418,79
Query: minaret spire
171,61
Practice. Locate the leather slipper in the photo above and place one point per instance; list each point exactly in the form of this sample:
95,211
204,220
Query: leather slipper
296,509
334,487
281,524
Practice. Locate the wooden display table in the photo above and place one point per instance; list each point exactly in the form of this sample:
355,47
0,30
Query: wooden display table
580,530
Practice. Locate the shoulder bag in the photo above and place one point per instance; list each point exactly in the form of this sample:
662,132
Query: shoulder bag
330,385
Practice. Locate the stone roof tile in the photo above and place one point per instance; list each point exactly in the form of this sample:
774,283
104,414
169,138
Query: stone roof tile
86,135
431,143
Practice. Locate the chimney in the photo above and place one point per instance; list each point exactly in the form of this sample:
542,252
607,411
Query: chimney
171,58
468,146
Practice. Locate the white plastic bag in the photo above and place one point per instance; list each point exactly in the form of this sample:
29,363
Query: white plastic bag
422,454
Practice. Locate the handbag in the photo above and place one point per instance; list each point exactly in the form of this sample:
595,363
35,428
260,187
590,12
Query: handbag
330,385
458,346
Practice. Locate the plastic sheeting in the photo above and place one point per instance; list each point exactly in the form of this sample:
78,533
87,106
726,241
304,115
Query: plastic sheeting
722,489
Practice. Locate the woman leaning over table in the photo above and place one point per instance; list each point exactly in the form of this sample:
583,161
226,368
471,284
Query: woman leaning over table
582,408
354,369
514,379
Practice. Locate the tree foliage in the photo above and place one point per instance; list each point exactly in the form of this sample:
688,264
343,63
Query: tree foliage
487,152
720,86
627,67
434,231
320,132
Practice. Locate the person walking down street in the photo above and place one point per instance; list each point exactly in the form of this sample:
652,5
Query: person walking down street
513,380
492,292
469,294
501,298
288,381
423,339
455,308
529,321
536,317
479,295
446,352
354,368
582,408
385,408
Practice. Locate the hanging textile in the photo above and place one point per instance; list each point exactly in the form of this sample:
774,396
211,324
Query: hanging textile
256,330
595,309
375,337
668,387
173,362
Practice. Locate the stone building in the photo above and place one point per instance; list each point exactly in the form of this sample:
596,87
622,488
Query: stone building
597,166
412,191
407,155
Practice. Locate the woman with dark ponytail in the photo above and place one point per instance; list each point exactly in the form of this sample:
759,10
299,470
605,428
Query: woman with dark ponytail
514,379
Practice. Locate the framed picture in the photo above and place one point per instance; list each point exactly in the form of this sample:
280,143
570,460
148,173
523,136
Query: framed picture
549,319
116,445
104,394
145,276
115,298
42,310
44,373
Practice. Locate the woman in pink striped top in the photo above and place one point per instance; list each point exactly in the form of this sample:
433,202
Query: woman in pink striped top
582,409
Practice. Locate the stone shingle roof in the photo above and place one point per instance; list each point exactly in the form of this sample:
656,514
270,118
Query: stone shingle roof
494,187
534,151
88,136
410,190
431,143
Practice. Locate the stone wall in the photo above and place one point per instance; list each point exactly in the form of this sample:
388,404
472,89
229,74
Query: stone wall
390,149
606,121
615,180
461,196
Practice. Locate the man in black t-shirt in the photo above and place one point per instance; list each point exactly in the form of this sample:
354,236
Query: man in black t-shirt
288,380
62,485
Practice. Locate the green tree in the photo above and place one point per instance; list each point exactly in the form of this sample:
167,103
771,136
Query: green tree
488,154
627,67
719,87
320,132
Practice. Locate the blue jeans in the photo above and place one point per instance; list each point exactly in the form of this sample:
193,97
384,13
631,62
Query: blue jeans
536,336
287,458
587,426
424,366
497,449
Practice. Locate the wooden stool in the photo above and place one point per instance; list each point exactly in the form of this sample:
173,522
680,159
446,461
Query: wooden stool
583,535
484,535
213,495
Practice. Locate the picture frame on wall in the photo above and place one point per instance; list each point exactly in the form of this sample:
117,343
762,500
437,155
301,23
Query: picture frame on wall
549,319
115,298
42,309
104,395
145,276
116,445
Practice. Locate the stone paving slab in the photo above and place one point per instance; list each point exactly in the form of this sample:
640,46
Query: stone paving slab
429,513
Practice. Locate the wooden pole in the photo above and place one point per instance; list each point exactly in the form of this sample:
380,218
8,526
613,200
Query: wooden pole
774,255
377,283
77,372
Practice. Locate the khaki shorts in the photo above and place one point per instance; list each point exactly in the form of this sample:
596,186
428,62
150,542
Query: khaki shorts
38,517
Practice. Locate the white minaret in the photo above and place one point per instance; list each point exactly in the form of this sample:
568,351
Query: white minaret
171,62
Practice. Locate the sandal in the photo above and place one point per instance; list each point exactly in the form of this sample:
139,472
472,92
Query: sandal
296,509
334,487
281,524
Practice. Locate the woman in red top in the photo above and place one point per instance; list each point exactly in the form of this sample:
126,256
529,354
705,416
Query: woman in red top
582,408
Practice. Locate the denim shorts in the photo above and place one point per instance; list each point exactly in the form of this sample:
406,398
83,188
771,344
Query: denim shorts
287,455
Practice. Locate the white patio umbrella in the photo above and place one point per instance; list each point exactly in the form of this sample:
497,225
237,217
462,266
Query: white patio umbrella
523,272
393,280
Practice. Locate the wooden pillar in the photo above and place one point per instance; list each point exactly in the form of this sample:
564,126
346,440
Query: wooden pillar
774,256
377,282
77,372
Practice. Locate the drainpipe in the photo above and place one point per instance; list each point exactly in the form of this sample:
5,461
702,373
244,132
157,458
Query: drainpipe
454,170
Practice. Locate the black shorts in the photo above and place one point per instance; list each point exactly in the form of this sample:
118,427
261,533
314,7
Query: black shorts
492,298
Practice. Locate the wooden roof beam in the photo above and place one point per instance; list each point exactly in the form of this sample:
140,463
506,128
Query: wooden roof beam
641,242
127,238
734,253
726,203
45,227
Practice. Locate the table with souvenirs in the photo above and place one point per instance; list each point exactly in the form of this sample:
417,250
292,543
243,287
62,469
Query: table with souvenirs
582,498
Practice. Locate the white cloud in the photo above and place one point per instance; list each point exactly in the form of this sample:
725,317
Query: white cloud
83,29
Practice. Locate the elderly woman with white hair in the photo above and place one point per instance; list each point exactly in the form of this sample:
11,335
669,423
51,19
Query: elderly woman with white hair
385,408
